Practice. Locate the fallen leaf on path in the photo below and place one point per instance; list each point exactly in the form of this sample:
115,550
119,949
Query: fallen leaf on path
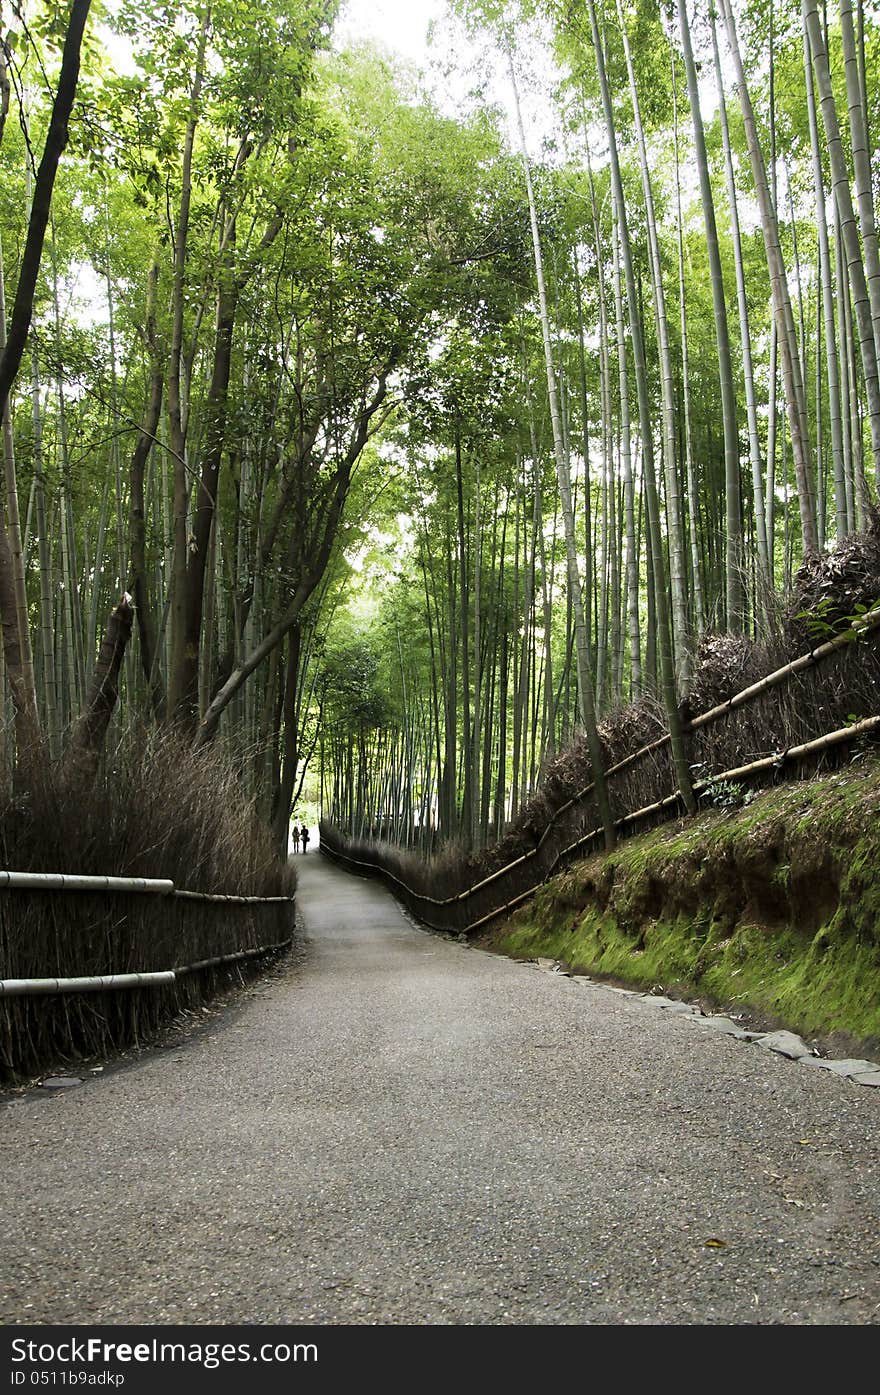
714,1244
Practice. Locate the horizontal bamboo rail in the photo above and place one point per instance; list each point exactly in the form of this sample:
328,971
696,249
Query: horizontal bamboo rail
809,748
112,983
233,958
863,624
66,881
94,983
223,898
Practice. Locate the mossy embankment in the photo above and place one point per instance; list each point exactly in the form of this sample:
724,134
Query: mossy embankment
773,907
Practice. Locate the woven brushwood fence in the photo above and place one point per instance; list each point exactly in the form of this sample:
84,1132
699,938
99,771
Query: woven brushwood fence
807,713
92,964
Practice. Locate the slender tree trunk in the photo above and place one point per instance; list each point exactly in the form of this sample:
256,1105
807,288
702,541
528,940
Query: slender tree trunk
44,552
733,501
87,736
764,584
674,512
791,366
16,648
652,502
13,526
467,813
861,164
44,183
827,306
690,471
291,740
582,645
849,231
632,561
137,506
178,667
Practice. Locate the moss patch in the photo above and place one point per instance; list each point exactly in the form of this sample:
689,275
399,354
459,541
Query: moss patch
774,907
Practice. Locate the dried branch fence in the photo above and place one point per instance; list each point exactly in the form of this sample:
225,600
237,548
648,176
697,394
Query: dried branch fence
849,679
127,929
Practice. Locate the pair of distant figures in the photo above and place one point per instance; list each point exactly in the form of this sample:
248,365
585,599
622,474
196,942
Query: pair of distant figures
300,836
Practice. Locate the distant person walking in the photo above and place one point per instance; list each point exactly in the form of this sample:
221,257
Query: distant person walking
305,838
296,838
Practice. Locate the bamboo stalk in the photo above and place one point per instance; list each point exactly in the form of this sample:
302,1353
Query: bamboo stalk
65,881
94,983
111,983
232,900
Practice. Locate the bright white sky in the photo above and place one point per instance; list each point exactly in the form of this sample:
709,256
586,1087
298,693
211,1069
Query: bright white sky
455,64
402,25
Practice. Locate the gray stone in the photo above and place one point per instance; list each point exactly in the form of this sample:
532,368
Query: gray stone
785,1044
546,964
670,1004
60,1082
869,1078
725,1025
843,1067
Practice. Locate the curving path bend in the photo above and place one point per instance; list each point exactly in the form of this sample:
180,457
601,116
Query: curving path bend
401,1129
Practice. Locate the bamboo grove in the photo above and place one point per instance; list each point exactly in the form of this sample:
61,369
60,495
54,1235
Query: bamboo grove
404,445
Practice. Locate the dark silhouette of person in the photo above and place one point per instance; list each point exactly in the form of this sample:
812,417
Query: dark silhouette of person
305,838
296,836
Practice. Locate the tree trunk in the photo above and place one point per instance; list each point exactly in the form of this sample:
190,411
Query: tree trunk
733,502
861,164
137,520
764,586
87,737
849,231
674,513
582,646
831,364
632,561
44,183
652,503
791,366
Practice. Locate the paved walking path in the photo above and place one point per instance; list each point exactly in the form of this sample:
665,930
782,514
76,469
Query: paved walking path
401,1129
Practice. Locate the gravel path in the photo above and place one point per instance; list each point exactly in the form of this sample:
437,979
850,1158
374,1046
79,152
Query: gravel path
402,1129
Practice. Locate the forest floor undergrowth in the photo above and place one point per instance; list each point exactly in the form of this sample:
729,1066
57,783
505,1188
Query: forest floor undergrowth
771,910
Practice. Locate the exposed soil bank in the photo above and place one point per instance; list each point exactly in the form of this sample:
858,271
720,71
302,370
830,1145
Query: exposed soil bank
773,907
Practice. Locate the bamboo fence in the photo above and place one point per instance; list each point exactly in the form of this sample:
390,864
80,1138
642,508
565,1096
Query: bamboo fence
82,936
524,874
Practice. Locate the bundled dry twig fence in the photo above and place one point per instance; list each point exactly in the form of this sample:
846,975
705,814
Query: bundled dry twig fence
156,811
94,934
807,710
